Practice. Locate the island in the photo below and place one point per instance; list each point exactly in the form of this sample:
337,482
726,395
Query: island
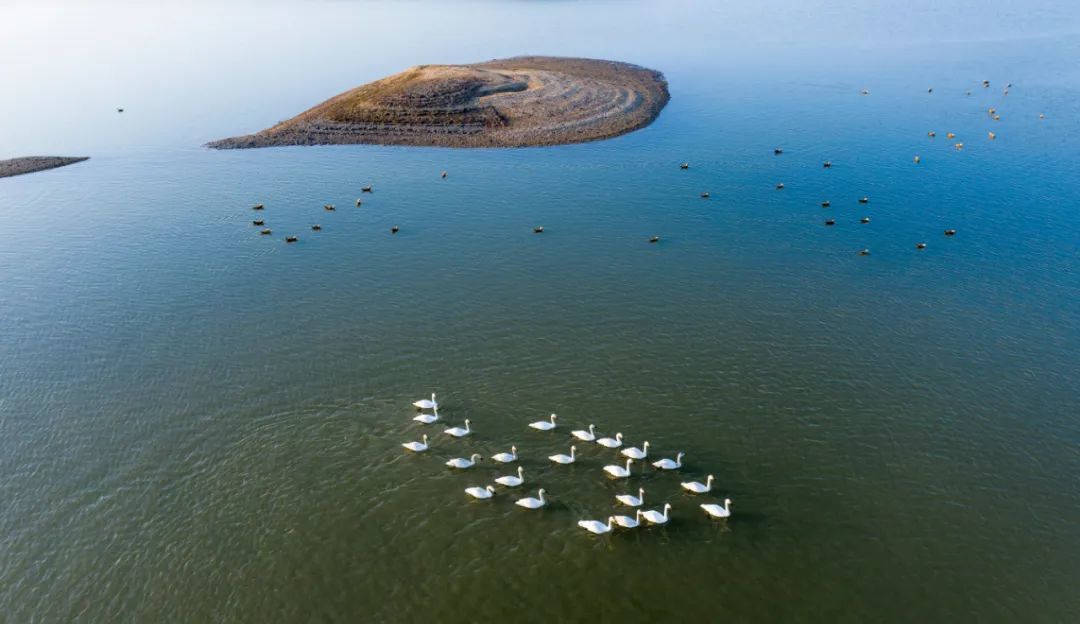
30,164
515,102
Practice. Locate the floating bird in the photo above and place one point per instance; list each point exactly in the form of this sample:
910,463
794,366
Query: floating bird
950,232
358,202
597,527
482,493
459,432
779,185
630,500
864,220
920,245
257,222
291,239
967,93
394,230
716,511
684,166
777,151
667,464
950,135
959,146
997,117
511,480
532,503
366,189
329,207
417,447
864,252
931,134
654,239
427,419
564,459
443,174
426,403
830,221
316,227
637,453
585,436
826,204
864,200
506,458
265,232
1042,116
615,442
697,487
990,111
827,164
544,425
538,229
986,83
930,90
655,517
705,195
917,159
992,136
627,522
119,110
461,462
257,207
618,472
864,92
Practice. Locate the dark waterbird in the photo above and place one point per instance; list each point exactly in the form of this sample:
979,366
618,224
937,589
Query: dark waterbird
705,195
316,227
826,204
538,229
777,151
443,174
394,230
257,207
654,239
366,189
950,232
257,222
920,245
864,200
864,220
329,207
291,239
779,185
830,221
864,252
684,166
358,202
827,164
265,232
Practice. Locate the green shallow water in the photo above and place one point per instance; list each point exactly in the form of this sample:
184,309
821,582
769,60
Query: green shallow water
203,424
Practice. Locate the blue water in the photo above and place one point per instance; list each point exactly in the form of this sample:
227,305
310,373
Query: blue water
198,423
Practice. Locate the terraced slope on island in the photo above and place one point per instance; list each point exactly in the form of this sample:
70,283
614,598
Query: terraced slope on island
516,102
30,164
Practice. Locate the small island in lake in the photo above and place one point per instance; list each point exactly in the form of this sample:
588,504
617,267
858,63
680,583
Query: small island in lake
30,164
516,102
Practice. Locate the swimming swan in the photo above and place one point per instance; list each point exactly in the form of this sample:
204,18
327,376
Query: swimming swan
655,517
716,511
564,459
585,436
543,425
427,419
667,464
630,500
417,447
696,487
627,522
426,403
461,462
596,527
618,472
511,480
615,442
458,432
532,503
637,453
483,493
505,458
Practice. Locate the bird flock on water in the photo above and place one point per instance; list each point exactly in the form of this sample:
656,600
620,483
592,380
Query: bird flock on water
619,470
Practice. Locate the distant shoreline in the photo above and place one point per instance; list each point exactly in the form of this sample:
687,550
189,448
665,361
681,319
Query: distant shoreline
30,164
515,102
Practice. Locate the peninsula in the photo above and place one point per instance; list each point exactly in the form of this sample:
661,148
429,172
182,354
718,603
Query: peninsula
30,164
516,102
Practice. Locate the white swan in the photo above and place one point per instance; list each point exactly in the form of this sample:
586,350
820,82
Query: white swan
425,403
417,447
505,458
619,472
544,425
427,419
461,462
511,480
637,453
627,522
483,493
532,503
655,517
585,436
564,459
667,464
630,500
458,432
697,487
716,511
597,527
615,442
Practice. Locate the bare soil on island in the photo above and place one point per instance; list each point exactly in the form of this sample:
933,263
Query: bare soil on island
30,164
516,102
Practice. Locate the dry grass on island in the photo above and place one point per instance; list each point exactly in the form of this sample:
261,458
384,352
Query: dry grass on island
517,102
30,164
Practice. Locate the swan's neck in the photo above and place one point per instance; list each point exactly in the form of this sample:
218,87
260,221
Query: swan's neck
572,450
628,462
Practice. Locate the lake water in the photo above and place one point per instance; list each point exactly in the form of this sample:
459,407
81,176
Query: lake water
199,423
